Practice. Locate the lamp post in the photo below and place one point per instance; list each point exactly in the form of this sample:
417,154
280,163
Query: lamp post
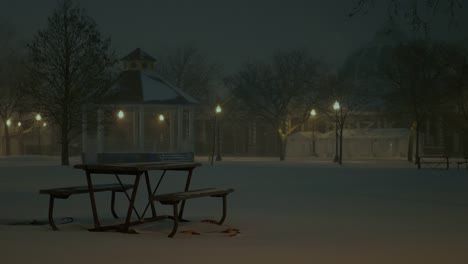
336,107
161,119
7,137
218,111
313,113
38,119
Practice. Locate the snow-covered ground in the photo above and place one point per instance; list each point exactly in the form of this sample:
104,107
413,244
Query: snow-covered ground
297,211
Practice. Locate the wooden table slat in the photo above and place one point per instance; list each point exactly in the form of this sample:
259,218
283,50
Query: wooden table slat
138,166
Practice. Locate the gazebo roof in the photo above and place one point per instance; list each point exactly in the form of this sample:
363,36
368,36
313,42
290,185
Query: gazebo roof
138,54
147,87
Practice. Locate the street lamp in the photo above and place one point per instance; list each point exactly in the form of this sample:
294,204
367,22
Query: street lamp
8,122
313,113
121,114
38,119
161,119
336,107
218,111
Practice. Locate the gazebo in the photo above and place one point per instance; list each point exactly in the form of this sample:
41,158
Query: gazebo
142,97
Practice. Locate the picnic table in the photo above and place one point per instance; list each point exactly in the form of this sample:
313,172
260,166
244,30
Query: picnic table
137,170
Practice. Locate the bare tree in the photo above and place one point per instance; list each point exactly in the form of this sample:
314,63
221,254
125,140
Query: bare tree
280,91
416,70
192,71
71,65
455,107
189,69
11,81
456,79
417,12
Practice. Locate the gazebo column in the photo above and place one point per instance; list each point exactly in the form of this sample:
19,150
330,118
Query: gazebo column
84,135
252,139
180,128
135,129
100,131
141,129
191,134
171,131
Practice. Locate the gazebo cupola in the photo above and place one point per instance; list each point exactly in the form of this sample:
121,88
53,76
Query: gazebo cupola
138,60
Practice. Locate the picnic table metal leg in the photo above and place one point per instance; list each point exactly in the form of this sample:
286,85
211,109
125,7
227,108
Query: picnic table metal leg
97,225
126,194
151,194
224,211
176,220
113,206
187,187
51,213
131,203
148,187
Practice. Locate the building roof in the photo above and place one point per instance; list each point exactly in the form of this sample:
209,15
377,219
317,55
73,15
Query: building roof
372,133
147,87
138,54
375,133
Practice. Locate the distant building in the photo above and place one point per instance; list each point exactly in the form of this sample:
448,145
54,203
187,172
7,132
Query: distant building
357,143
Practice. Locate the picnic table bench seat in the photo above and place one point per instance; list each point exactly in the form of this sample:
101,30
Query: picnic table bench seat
174,199
66,192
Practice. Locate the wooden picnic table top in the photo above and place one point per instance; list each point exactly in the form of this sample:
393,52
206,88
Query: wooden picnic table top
137,166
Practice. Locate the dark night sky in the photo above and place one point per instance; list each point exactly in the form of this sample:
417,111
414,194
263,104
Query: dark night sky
228,31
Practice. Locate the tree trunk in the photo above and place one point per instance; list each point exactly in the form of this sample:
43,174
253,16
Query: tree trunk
282,147
411,142
417,143
64,142
7,140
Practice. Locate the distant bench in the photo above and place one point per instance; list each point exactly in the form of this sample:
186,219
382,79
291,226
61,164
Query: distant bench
66,192
175,198
116,157
434,161
441,161
460,161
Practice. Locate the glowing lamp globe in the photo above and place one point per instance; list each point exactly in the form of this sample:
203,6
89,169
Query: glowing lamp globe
120,114
336,105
